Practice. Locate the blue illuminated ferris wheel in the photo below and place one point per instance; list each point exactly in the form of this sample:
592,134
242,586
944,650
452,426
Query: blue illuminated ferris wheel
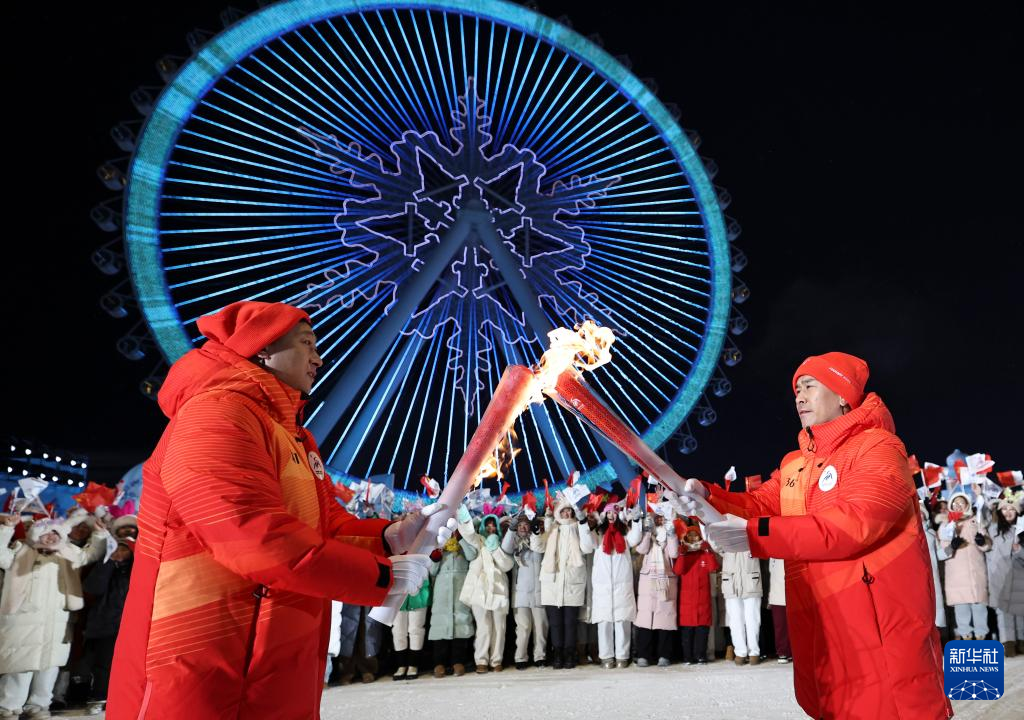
438,184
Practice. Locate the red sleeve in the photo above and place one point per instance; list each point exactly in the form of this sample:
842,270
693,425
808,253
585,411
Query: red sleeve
222,481
763,501
713,565
873,501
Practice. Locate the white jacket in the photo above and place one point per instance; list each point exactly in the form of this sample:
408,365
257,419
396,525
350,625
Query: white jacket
563,577
486,583
614,598
525,570
39,592
741,576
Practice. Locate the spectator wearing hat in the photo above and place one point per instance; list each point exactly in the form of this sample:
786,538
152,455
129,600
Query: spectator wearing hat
1006,569
40,588
522,544
614,604
694,566
107,588
486,589
657,594
965,541
841,510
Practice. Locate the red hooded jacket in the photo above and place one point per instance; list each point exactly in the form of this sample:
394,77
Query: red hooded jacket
241,549
694,569
842,512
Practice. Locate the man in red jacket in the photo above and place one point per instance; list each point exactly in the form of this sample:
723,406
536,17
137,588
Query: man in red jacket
842,512
242,545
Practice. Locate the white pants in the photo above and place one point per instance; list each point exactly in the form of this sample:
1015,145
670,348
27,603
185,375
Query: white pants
489,645
409,629
529,620
1011,627
965,613
744,624
614,640
19,690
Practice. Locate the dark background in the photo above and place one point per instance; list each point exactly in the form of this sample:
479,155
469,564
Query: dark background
869,152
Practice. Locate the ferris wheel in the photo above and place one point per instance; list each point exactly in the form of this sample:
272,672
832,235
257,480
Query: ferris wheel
439,184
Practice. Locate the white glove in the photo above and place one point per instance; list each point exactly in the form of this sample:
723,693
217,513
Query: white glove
581,514
408,573
693,486
694,501
401,535
729,535
947,532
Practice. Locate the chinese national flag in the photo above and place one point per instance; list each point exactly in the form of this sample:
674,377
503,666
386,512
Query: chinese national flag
633,494
932,474
1009,478
343,492
915,467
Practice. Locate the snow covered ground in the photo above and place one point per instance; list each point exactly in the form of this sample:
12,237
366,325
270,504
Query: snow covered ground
718,690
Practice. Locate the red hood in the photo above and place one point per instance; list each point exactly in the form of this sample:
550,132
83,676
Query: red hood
214,367
871,413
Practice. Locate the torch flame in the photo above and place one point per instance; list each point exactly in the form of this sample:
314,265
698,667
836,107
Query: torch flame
499,460
585,347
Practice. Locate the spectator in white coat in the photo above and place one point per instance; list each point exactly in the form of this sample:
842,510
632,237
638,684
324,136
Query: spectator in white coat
658,594
936,553
524,546
586,633
486,589
614,608
962,537
1006,571
41,587
563,579
743,590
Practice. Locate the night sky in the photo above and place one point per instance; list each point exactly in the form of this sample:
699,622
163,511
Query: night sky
868,153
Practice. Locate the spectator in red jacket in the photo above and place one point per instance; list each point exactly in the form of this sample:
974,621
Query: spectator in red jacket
694,567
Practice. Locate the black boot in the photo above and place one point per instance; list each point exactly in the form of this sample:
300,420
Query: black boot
556,658
570,659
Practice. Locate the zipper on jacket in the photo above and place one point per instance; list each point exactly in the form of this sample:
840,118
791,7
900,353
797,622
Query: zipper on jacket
259,593
811,445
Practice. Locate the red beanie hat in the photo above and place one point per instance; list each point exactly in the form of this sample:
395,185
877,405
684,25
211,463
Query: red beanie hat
843,374
248,326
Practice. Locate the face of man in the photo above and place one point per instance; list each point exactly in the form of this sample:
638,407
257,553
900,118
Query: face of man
79,532
815,403
127,531
293,358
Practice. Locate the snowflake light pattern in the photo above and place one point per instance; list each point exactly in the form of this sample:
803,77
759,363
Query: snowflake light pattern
402,205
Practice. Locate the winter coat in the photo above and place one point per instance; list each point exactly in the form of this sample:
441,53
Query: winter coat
242,546
108,586
486,584
966,570
614,598
525,570
450,618
741,576
563,578
39,591
352,616
418,601
658,591
842,512
1005,572
776,582
935,553
695,569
